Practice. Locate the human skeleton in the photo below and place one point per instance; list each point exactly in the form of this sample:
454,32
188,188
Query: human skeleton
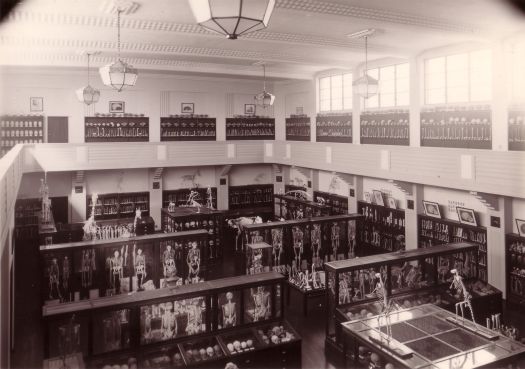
459,286
261,301
316,245
229,313
54,278
90,225
116,268
194,313
169,322
386,305
139,262
335,240
88,265
193,260
277,246
168,263
344,290
297,235
46,202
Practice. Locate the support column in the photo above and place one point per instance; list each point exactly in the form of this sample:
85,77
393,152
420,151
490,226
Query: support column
414,206
358,192
223,180
77,198
500,100
416,97
155,196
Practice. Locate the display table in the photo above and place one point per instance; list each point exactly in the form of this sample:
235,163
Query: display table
300,297
428,336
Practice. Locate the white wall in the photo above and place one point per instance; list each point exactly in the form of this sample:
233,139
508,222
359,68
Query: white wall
289,96
333,184
173,178
242,175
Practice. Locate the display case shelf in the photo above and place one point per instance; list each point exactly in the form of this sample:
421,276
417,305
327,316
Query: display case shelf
116,129
118,205
334,128
15,129
385,128
297,128
180,197
338,204
250,128
516,126
189,128
457,127
250,196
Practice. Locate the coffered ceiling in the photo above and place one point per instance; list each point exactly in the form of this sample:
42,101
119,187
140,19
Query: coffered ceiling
303,37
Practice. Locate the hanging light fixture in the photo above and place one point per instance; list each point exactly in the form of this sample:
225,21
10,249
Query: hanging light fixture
118,74
264,99
366,86
88,95
232,18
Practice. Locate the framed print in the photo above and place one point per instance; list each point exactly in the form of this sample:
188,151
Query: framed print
466,216
378,197
520,224
36,104
249,109
368,197
187,108
391,202
117,107
432,209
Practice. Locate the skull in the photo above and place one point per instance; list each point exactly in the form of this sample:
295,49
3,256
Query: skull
249,343
237,345
275,339
209,351
230,347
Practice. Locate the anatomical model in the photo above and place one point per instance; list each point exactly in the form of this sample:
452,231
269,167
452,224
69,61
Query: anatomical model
88,266
139,262
54,278
335,240
169,323
261,300
277,244
194,312
316,245
229,312
194,262
116,268
297,234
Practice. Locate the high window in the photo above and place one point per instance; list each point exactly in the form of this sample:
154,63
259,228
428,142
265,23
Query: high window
393,86
335,92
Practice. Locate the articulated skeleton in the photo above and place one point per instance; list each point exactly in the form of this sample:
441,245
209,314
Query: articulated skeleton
316,245
192,200
277,247
46,202
90,225
297,235
335,240
54,278
299,194
88,266
116,268
209,198
139,262
193,260
386,305
459,286
239,223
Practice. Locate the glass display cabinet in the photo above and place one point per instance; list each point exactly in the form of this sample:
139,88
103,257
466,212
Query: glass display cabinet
91,269
412,277
258,257
291,207
238,319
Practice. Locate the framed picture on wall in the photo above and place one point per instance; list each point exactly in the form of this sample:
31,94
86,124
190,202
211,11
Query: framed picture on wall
249,109
520,224
368,197
187,108
36,104
466,216
391,202
431,209
117,107
378,197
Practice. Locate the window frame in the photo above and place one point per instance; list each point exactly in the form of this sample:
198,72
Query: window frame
364,106
344,93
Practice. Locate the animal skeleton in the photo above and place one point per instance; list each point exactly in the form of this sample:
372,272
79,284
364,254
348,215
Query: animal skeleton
386,305
459,286
239,223
299,194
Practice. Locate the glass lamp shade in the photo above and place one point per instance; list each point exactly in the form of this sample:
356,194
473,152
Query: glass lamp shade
265,99
232,18
88,95
118,75
366,86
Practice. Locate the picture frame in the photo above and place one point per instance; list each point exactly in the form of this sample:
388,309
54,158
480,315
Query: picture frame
249,109
466,216
391,202
431,209
36,104
520,224
187,108
117,107
378,197
368,197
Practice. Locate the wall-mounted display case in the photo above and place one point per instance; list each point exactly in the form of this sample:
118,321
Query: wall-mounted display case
338,204
192,218
291,207
460,127
116,129
383,229
433,231
298,128
516,125
15,129
411,276
91,269
188,128
250,128
334,128
515,268
251,197
118,205
180,197
237,320
385,128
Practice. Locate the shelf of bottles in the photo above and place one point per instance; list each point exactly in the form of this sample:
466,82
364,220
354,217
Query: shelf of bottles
119,205
251,196
517,129
383,228
19,129
337,203
434,231
188,128
250,128
385,128
180,197
515,259
334,128
460,127
26,218
116,128
297,128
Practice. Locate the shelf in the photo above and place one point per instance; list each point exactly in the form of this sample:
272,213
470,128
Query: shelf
20,129
118,205
187,129
334,128
249,196
116,129
297,128
385,128
250,128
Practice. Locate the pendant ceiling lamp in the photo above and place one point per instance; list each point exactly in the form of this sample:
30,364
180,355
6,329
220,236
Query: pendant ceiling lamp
264,99
366,86
118,74
232,18
88,95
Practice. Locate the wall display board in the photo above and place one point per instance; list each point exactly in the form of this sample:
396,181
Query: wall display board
237,320
118,205
457,127
250,128
411,277
192,218
91,269
116,129
433,231
15,129
385,128
338,204
291,207
334,128
517,129
188,128
297,128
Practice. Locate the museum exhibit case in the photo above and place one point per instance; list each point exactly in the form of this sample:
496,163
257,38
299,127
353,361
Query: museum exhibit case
293,207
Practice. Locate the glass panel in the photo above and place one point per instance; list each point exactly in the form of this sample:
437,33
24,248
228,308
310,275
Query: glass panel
347,91
324,83
409,275
351,238
372,102
229,309
457,62
402,71
337,92
142,259
402,99
111,331
67,336
387,73
257,304
457,94
117,270
201,350
435,96
387,100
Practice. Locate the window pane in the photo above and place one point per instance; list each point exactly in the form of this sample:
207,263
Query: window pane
388,100
387,86
387,73
435,65
481,75
435,80
457,94
457,62
324,83
402,85
402,70
435,96
324,105
457,78
402,99
372,102
347,91
373,73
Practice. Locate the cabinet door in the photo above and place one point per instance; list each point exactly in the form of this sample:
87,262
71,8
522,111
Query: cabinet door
57,129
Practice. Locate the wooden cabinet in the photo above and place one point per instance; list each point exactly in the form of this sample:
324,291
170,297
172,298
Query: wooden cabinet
334,128
180,197
338,204
118,205
15,129
385,128
250,128
250,196
515,266
297,128
116,129
191,128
